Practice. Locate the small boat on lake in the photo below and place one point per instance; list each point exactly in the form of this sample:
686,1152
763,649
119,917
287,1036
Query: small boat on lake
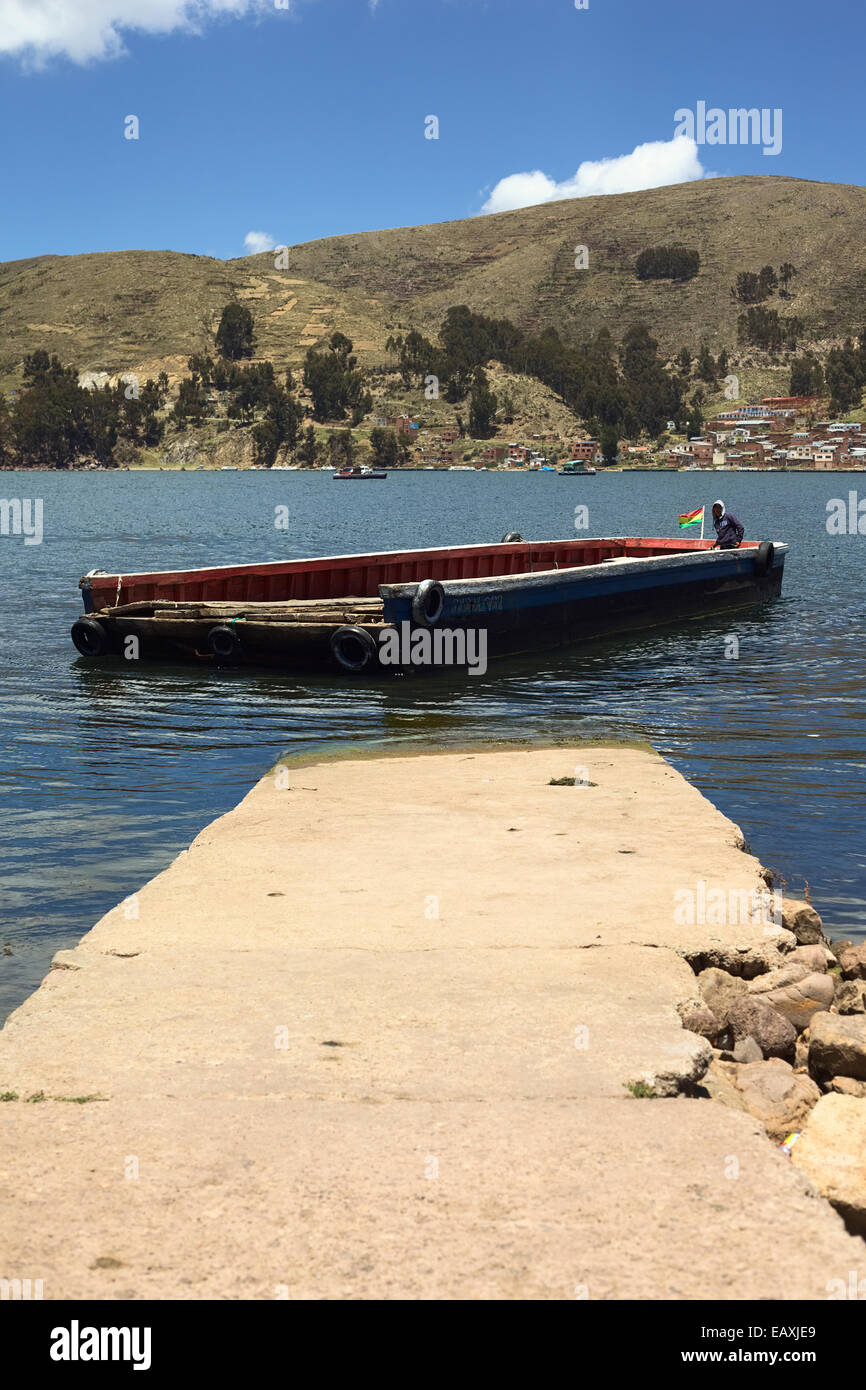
340,613
360,472
575,468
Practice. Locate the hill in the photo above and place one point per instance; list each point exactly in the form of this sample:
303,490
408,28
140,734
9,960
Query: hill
142,311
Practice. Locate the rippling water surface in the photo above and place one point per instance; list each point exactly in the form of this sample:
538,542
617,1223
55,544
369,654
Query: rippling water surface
108,771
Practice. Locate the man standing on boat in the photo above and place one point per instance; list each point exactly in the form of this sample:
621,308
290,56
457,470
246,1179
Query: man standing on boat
729,531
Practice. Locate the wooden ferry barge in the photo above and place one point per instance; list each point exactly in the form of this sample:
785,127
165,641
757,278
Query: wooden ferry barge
335,612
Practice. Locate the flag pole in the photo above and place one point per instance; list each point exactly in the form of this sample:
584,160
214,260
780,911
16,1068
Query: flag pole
703,512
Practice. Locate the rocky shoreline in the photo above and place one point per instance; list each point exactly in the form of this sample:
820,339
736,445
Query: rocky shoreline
787,1024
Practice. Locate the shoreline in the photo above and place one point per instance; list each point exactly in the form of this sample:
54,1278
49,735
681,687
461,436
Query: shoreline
388,1029
516,472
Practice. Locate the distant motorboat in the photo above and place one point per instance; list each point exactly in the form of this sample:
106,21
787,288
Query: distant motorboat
575,468
358,474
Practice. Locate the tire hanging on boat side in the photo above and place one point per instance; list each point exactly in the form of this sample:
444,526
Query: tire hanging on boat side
510,536
353,649
428,602
764,558
90,637
225,645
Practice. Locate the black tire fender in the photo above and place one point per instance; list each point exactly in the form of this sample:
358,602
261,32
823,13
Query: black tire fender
764,557
90,637
511,536
428,602
353,649
224,644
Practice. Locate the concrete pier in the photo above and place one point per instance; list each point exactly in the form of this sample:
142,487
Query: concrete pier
383,1031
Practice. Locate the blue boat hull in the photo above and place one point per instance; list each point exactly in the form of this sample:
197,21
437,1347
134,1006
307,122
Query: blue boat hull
523,613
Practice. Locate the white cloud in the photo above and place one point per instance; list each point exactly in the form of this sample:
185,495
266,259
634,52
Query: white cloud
82,30
256,242
653,165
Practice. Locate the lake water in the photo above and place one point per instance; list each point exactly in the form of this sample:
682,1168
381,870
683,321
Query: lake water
108,771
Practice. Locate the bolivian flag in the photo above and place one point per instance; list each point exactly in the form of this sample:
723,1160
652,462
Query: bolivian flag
692,518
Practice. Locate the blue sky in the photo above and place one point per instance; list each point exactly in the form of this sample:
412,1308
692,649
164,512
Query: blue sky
310,122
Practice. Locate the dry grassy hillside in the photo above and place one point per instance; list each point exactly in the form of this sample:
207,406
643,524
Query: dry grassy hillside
144,310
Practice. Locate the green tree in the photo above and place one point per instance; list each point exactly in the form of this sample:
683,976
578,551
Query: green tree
651,395
844,377
341,447
235,336
52,418
385,447
482,406
695,422
667,263
609,441
279,429
786,275
747,289
335,382
307,452
764,328
190,405
254,388
768,281
201,364
706,368
807,376
361,407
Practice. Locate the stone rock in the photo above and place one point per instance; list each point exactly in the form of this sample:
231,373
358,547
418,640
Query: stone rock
718,1082
814,957
853,963
787,974
747,1050
752,1017
746,960
771,1091
837,947
687,1061
799,1000
837,1046
803,921
847,1086
831,1151
719,991
697,1017
801,1053
850,997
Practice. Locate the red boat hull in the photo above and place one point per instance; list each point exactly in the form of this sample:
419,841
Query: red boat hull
360,575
